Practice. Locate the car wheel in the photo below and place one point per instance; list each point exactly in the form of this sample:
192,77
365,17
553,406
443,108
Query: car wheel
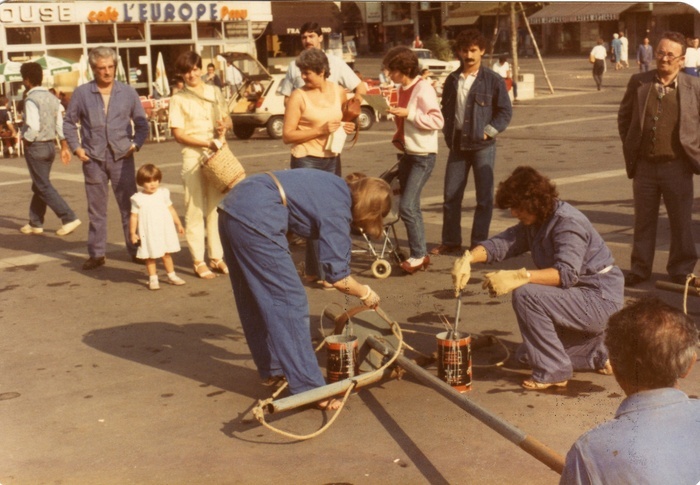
243,131
366,118
274,127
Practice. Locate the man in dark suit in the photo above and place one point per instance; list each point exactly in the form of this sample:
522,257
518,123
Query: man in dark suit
659,123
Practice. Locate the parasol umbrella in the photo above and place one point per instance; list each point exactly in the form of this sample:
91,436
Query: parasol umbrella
54,65
9,71
121,73
85,71
161,83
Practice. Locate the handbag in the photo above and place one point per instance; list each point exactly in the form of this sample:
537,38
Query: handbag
591,58
351,110
222,169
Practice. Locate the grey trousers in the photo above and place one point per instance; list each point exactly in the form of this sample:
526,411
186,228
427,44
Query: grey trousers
563,329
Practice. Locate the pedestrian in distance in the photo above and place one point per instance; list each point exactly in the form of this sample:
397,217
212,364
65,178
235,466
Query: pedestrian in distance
106,110
270,298
199,119
597,58
211,77
692,57
563,304
645,55
659,124
624,51
476,108
154,225
417,43
43,124
654,436
8,132
418,119
616,51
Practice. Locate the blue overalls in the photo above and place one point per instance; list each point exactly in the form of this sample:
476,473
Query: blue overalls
270,297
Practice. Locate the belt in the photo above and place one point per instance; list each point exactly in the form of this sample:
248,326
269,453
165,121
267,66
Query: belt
279,187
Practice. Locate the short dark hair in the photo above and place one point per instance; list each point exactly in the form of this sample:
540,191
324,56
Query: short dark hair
502,59
311,27
148,173
314,60
211,64
676,37
467,38
187,61
32,72
651,344
528,190
402,59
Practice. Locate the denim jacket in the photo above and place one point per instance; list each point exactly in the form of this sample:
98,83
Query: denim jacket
488,110
98,132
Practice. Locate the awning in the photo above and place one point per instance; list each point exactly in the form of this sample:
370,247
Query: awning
287,17
559,13
469,13
673,8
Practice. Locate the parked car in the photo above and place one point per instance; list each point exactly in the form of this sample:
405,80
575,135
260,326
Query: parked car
257,104
438,67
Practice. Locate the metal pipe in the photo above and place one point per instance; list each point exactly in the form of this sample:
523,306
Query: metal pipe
668,286
531,445
320,393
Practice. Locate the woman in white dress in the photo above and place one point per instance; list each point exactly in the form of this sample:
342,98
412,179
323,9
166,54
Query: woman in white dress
154,225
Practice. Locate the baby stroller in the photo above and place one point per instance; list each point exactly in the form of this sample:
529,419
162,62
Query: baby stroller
390,250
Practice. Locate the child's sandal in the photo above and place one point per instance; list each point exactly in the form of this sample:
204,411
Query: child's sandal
218,265
176,280
202,271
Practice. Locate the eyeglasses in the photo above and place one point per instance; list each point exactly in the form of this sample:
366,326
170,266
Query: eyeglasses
662,54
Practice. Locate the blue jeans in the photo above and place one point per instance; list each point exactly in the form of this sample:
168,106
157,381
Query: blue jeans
312,265
456,174
40,156
414,172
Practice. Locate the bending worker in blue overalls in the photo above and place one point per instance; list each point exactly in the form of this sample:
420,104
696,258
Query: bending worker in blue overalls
254,219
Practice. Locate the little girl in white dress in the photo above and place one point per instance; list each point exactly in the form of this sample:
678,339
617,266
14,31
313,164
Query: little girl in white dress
154,225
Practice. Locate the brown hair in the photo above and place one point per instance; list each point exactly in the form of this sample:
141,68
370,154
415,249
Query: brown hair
527,189
314,60
371,202
148,173
187,61
402,59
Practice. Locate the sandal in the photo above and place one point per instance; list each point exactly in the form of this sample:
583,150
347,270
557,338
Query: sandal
328,405
606,370
534,385
274,381
202,271
218,265
176,280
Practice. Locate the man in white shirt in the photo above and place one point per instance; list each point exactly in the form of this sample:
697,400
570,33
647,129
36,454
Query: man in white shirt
43,123
234,78
692,57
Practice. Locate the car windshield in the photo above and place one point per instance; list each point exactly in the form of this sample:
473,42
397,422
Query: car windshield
423,54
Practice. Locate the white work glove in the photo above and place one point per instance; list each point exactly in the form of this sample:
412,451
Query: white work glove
461,272
371,299
501,282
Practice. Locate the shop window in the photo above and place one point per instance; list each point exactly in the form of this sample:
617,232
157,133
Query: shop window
171,31
209,30
62,34
99,34
23,35
130,32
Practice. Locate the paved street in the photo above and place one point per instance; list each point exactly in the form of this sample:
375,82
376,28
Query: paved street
106,382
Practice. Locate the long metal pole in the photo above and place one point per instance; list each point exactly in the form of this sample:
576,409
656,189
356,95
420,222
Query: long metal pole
531,445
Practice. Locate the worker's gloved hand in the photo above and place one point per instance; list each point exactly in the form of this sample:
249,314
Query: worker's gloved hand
501,282
461,272
370,299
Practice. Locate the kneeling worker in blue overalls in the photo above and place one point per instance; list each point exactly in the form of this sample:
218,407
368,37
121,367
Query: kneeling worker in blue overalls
253,221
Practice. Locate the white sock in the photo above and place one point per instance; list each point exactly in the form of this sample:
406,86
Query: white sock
172,275
153,277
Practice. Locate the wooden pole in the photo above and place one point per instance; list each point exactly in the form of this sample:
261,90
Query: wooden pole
514,43
537,50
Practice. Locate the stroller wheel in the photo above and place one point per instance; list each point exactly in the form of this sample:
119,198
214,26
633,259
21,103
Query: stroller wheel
381,269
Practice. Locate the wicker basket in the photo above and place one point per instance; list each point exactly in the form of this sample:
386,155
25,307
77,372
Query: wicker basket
223,170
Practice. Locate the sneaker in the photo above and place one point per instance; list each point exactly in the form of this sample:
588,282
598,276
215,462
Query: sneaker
31,229
93,263
68,228
153,284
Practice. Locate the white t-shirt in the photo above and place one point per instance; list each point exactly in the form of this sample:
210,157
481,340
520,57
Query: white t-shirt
599,52
692,57
501,69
